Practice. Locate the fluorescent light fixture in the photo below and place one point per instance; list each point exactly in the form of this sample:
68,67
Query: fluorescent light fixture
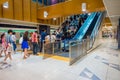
83,7
5,5
45,14
54,18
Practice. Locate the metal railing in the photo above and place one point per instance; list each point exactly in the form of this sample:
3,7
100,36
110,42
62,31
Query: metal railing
73,50
53,48
77,49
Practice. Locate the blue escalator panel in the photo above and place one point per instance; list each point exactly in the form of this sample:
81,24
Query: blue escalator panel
82,31
97,25
92,25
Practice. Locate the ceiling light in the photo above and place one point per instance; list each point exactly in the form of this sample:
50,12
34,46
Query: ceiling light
54,18
45,14
5,5
83,7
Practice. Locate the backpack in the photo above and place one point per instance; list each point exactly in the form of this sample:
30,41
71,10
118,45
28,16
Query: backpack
20,40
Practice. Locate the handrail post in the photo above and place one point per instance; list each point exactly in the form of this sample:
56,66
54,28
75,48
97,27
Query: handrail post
88,42
43,49
53,48
85,47
82,47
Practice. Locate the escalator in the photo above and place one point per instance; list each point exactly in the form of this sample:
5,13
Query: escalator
80,32
96,28
91,27
84,28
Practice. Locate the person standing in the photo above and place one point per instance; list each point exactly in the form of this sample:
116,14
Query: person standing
35,42
25,45
43,35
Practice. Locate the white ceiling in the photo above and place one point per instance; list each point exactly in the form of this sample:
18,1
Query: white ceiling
113,10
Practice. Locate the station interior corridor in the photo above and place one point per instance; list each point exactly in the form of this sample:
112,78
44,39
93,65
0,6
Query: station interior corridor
103,63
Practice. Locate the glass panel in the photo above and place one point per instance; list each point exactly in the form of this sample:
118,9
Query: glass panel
47,49
77,50
59,48
84,46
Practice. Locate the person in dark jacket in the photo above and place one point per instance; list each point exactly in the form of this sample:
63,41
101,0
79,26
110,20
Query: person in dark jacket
43,35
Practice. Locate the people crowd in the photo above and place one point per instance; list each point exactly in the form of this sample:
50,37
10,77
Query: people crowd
72,25
34,41
7,42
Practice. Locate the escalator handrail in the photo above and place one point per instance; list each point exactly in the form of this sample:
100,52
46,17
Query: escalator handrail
95,27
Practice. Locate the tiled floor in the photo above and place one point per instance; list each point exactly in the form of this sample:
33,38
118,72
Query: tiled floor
101,64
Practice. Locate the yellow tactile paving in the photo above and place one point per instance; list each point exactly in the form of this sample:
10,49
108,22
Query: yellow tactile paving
60,58
51,56
54,57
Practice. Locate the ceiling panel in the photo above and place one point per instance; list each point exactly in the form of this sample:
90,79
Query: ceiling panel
113,10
